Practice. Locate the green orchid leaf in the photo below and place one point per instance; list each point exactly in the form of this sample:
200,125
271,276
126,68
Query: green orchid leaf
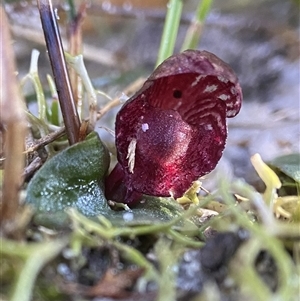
289,165
160,210
151,210
72,178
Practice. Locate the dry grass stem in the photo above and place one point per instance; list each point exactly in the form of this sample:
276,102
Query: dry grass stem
13,119
129,90
91,53
75,48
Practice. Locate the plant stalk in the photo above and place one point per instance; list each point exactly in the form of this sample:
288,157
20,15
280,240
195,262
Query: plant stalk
59,69
194,31
170,31
13,120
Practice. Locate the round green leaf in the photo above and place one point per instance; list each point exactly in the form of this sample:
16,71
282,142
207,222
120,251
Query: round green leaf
72,178
151,210
289,164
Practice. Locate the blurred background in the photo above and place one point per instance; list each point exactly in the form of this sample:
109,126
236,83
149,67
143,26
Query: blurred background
259,39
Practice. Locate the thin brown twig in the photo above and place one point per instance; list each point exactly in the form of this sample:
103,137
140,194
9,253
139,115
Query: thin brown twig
32,168
46,140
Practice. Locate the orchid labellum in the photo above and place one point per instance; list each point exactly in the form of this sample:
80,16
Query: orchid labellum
173,130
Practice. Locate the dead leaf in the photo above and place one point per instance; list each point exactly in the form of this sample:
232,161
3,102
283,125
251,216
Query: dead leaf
114,284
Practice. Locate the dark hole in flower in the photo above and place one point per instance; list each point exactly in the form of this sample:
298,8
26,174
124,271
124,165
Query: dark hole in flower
177,94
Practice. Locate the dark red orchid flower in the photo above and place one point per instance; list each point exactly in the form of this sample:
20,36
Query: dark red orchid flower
173,130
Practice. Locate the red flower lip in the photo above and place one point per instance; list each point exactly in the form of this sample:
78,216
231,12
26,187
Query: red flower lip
174,130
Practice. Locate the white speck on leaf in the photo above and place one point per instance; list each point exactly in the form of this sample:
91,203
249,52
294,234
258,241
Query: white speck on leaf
128,216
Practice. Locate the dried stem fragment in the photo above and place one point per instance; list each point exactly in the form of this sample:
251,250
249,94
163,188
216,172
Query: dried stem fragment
14,121
75,48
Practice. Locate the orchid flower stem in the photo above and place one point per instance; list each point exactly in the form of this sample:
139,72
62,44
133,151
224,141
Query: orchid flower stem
195,29
170,31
